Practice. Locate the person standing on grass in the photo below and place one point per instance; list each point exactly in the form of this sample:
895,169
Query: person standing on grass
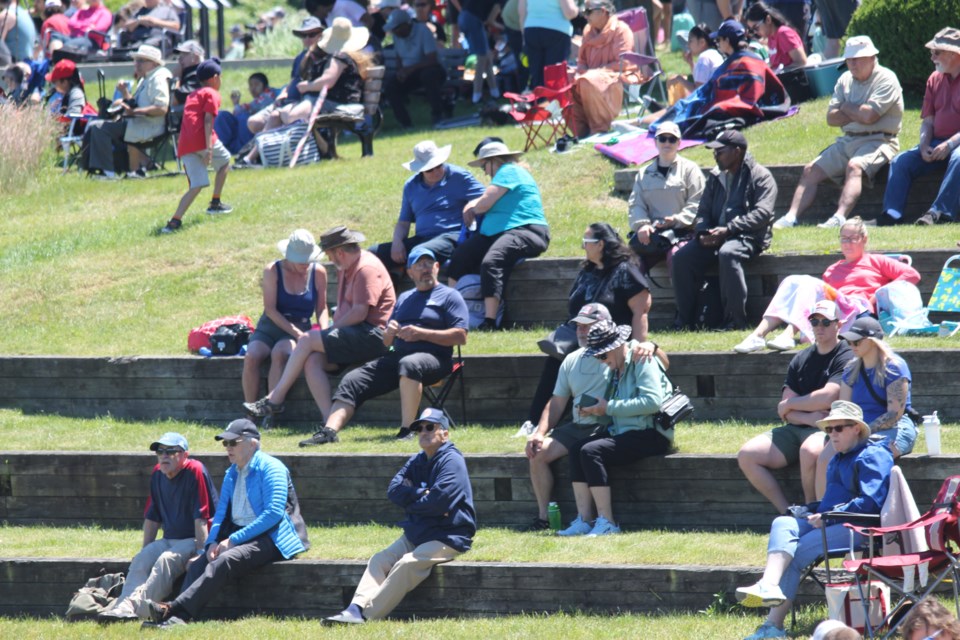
434,490
182,500
198,146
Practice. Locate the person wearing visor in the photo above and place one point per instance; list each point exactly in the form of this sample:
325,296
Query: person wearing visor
434,491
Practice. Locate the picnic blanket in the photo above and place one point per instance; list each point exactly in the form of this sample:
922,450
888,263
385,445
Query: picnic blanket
637,149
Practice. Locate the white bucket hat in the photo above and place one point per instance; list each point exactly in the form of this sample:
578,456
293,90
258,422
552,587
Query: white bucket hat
148,52
859,47
300,247
427,155
343,36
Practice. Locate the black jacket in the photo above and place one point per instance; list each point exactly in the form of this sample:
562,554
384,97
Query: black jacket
748,208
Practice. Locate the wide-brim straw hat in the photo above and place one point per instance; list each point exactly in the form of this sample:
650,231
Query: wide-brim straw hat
300,247
844,411
342,36
427,155
606,336
494,150
148,52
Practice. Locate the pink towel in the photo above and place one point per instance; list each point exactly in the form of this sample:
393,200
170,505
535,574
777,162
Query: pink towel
637,150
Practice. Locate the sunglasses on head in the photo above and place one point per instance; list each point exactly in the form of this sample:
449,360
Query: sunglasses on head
668,139
839,427
429,427
814,322
232,443
168,451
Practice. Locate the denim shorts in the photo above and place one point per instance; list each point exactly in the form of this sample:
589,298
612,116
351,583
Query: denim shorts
904,435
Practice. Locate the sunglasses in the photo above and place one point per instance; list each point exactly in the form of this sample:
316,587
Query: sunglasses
668,139
585,241
602,357
172,451
821,323
424,427
232,443
856,343
838,428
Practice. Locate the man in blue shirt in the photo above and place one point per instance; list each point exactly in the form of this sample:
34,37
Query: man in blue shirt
257,522
182,499
426,323
433,488
417,66
433,200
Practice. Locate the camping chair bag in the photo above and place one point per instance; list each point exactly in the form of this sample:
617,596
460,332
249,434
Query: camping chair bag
277,145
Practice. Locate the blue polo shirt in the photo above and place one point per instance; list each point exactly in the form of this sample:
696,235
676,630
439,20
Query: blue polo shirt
176,503
293,93
437,309
439,209
519,206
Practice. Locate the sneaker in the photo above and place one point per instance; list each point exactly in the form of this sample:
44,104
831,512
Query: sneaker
324,436
139,174
243,163
538,524
172,226
603,527
767,630
172,621
832,222
404,434
262,408
120,613
785,222
488,324
346,617
887,220
578,527
218,208
751,343
526,430
760,595
929,218
783,342
156,611
495,93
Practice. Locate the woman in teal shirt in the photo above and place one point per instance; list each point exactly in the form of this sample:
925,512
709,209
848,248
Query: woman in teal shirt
511,226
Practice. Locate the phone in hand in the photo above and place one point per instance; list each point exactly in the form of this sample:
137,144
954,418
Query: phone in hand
586,400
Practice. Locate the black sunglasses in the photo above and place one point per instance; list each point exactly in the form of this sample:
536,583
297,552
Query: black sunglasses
838,428
424,427
602,356
171,451
856,343
232,443
668,139
821,323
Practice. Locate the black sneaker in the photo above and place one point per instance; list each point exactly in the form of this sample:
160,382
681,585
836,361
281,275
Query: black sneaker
488,324
404,434
172,226
538,525
323,436
218,208
262,408
929,218
887,220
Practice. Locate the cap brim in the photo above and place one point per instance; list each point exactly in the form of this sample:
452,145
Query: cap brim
585,320
716,144
227,435
479,161
422,423
851,336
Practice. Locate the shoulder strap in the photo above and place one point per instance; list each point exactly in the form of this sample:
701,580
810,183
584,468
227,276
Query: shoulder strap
873,392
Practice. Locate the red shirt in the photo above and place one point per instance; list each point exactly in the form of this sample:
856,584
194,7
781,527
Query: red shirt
866,275
57,22
780,44
192,136
366,283
941,100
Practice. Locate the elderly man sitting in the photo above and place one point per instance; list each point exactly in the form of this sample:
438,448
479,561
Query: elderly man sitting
426,323
151,24
144,113
417,67
867,105
433,201
939,139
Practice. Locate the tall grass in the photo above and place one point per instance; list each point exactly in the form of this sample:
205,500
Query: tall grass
27,137
279,42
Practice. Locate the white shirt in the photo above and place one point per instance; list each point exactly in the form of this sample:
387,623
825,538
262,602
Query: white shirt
241,512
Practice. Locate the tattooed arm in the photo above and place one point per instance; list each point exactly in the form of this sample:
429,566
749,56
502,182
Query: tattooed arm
896,405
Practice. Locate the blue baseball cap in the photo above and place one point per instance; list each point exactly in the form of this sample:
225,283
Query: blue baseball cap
432,416
729,29
419,252
207,69
170,439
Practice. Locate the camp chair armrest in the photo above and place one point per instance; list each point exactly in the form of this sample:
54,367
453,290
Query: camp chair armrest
920,522
638,59
851,519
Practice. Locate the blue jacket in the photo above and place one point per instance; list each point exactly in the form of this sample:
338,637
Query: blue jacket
447,513
858,480
269,492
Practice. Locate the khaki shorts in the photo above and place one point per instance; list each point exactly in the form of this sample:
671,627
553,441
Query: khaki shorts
197,171
871,152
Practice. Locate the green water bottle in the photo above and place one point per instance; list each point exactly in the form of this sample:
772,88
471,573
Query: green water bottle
553,516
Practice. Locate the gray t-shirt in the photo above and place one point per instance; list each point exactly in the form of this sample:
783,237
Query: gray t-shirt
416,46
581,375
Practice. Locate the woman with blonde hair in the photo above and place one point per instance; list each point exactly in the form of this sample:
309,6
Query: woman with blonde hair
930,619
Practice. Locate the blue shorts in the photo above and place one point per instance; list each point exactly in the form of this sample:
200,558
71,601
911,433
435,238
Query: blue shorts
473,30
904,435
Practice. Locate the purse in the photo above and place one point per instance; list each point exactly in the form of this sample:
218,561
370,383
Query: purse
560,342
675,408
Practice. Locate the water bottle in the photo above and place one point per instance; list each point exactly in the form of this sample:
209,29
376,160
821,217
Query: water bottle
205,352
553,516
931,433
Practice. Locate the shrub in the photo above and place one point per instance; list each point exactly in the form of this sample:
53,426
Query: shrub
900,28
27,136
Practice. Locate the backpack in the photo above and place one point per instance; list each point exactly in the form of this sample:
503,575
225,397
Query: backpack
95,596
469,288
277,145
228,339
200,336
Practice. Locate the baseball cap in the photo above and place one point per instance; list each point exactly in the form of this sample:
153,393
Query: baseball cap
239,429
865,327
728,138
593,312
419,252
170,439
825,308
729,29
432,416
668,127
190,46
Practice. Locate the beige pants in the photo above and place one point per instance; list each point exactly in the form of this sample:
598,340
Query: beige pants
153,572
394,572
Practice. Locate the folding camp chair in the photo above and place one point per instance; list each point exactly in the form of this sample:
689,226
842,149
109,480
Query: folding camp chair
437,393
946,296
542,114
915,576
640,69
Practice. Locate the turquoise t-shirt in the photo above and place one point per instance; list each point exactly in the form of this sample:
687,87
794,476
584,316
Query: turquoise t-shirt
547,14
520,206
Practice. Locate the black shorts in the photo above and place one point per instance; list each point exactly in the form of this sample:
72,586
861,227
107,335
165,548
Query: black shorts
382,376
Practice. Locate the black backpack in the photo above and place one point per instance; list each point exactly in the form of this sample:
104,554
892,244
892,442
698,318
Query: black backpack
228,339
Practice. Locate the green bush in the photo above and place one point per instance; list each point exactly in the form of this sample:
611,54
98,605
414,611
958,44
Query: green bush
900,28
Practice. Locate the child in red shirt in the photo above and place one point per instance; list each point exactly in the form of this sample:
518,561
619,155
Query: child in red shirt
199,147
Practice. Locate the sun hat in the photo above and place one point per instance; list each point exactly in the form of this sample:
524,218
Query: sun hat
419,252
49,4
593,312
192,46
669,127
343,36
396,19
947,39
606,336
300,247
170,439
859,47
339,236
239,429
432,416
825,308
844,411
493,150
427,155
865,327
62,70
308,26
728,138
148,52
825,627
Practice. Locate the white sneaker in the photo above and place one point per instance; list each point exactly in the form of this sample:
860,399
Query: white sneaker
760,595
751,343
785,222
783,342
526,430
832,222
603,527
578,527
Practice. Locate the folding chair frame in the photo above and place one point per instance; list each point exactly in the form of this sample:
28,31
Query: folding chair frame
533,116
438,398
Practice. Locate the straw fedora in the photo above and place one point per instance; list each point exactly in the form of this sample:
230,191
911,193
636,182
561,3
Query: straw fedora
300,247
148,52
494,150
427,155
343,37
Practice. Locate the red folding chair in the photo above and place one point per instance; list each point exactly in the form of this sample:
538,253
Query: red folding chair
915,576
542,113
